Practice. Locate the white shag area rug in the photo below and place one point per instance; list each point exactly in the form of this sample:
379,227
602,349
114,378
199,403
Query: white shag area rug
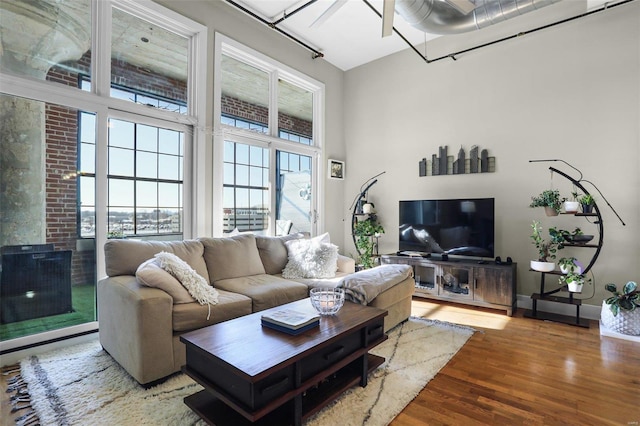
83,385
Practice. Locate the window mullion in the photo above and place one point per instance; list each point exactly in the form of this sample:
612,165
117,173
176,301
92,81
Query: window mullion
101,48
273,104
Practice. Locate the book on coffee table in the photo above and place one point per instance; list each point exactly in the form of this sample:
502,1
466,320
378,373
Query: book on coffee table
290,319
292,331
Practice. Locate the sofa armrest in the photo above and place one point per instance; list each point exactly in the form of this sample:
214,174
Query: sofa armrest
346,264
135,327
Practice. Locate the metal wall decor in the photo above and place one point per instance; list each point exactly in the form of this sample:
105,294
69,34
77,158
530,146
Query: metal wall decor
443,164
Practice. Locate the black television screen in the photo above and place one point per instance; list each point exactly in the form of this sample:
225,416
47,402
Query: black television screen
463,227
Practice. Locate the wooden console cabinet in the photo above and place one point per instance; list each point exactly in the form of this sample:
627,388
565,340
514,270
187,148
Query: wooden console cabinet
463,281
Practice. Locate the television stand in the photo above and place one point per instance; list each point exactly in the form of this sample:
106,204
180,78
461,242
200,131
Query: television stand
463,281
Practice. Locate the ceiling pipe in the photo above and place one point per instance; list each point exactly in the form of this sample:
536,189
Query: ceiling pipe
439,17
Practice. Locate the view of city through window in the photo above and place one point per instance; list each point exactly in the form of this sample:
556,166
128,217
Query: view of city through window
145,175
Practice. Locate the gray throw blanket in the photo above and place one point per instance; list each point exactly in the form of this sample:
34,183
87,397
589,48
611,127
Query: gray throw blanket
364,286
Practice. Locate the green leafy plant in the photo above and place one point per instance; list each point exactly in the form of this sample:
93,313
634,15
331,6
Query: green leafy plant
364,231
547,249
569,263
548,198
628,300
574,277
569,235
587,200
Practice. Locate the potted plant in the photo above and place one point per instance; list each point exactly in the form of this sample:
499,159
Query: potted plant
365,232
571,206
587,203
550,200
546,248
569,264
574,281
619,311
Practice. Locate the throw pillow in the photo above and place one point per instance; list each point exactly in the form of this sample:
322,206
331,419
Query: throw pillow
150,274
195,284
273,252
311,259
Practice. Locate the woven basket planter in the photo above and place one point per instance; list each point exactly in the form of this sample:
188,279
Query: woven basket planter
626,322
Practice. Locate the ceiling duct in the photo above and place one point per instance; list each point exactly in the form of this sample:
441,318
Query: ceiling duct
440,17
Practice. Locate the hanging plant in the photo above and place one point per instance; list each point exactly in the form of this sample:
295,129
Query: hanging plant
550,199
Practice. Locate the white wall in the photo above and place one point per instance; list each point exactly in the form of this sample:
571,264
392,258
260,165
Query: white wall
570,92
223,18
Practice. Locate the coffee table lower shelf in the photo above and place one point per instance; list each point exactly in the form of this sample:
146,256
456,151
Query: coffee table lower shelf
215,412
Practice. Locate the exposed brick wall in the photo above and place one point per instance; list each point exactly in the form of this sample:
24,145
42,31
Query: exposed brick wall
61,184
259,114
241,109
127,75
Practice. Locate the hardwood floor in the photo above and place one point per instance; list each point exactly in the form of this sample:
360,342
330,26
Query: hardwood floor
519,371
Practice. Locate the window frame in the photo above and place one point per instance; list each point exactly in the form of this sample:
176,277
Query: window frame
276,70
98,101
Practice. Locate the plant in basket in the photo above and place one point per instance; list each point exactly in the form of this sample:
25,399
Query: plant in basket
550,200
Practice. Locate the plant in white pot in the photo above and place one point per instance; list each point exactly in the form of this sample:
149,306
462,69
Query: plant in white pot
619,311
547,249
574,281
572,206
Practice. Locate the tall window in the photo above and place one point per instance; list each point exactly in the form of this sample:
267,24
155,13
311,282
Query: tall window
145,180
268,108
113,159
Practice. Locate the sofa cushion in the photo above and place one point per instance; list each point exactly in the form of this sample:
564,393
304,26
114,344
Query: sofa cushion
273,252
232,257
191,316
265,291
123,257
151,275
311,259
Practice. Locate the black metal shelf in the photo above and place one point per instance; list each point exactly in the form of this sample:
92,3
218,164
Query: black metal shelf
570,300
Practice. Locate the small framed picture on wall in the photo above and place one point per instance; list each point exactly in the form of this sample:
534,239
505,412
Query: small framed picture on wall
336,169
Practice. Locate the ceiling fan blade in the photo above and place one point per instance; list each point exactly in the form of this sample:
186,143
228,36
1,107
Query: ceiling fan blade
331,10
387,17
462,6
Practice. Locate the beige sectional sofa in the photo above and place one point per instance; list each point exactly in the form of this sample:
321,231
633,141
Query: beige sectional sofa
140,325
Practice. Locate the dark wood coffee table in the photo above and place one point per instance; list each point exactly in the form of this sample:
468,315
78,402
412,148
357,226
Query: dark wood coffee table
255,375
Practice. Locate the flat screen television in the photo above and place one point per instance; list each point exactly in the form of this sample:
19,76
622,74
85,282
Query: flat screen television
460,227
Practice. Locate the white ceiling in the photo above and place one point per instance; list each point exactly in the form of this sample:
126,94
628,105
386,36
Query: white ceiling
352,36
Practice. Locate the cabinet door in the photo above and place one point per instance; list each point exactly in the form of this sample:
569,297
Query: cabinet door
425,277
494,285
455,282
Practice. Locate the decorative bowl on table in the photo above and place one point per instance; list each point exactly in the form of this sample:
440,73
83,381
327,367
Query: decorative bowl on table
327,301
